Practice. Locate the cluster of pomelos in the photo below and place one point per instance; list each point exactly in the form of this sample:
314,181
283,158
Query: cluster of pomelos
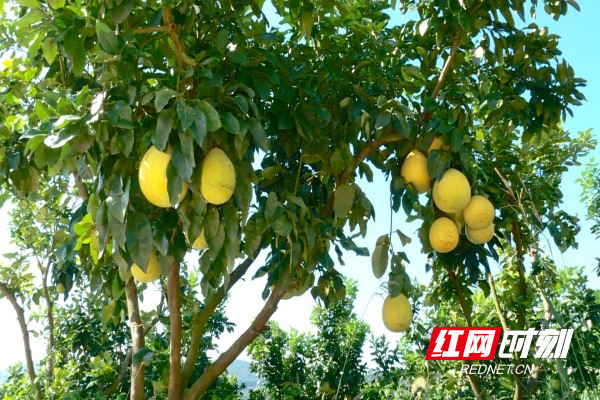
452,196
217,184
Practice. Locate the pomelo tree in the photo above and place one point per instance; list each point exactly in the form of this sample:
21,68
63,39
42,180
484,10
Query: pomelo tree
303,111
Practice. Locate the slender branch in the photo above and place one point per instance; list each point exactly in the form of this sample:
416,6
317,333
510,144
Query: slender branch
25,333
137,337
461,298
494,294
151,29
447,66
124,365
201,318
173,302
50,316
212,372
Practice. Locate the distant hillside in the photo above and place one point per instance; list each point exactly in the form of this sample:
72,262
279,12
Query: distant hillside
241,369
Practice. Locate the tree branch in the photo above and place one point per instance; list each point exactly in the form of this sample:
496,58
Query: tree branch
50,316
25,333
201,318
115,385
447,66
173,303
475,385
212,372
137,337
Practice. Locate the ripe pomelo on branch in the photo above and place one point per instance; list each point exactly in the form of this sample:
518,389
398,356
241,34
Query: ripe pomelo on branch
200,242
152,270
218,177
452,193
153,178
397,313
414,170
479,213
480,236
60,288
443,235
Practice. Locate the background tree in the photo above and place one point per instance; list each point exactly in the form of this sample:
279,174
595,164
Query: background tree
302,111
302,365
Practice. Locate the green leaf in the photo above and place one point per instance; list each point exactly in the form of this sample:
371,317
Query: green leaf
162,98
213,122
259,134
283,226
164,124
50,49
199,127
76,54
438,162
403,238
121,11
383,120
31,18
185,113
456,140
139,240
380,257
238,57
222,40
183,156
343,200
230,123
117,204
125,141
306,23
174,183
107,39
56,4
143,355
483,285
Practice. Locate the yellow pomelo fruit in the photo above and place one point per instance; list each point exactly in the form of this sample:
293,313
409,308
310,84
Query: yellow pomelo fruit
218,177
479,213
414,170
397,313
480,236
443,235
200,242
458,219
152,271
60,288
153,178
452,193
436,144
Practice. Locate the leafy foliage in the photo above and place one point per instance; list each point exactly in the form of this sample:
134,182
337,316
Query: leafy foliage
303,110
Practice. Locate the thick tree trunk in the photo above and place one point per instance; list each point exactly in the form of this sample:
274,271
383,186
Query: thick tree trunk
137,337
26,343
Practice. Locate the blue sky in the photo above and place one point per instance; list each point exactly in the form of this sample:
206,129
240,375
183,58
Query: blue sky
579,42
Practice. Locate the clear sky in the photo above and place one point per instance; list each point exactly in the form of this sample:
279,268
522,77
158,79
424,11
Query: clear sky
579,42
